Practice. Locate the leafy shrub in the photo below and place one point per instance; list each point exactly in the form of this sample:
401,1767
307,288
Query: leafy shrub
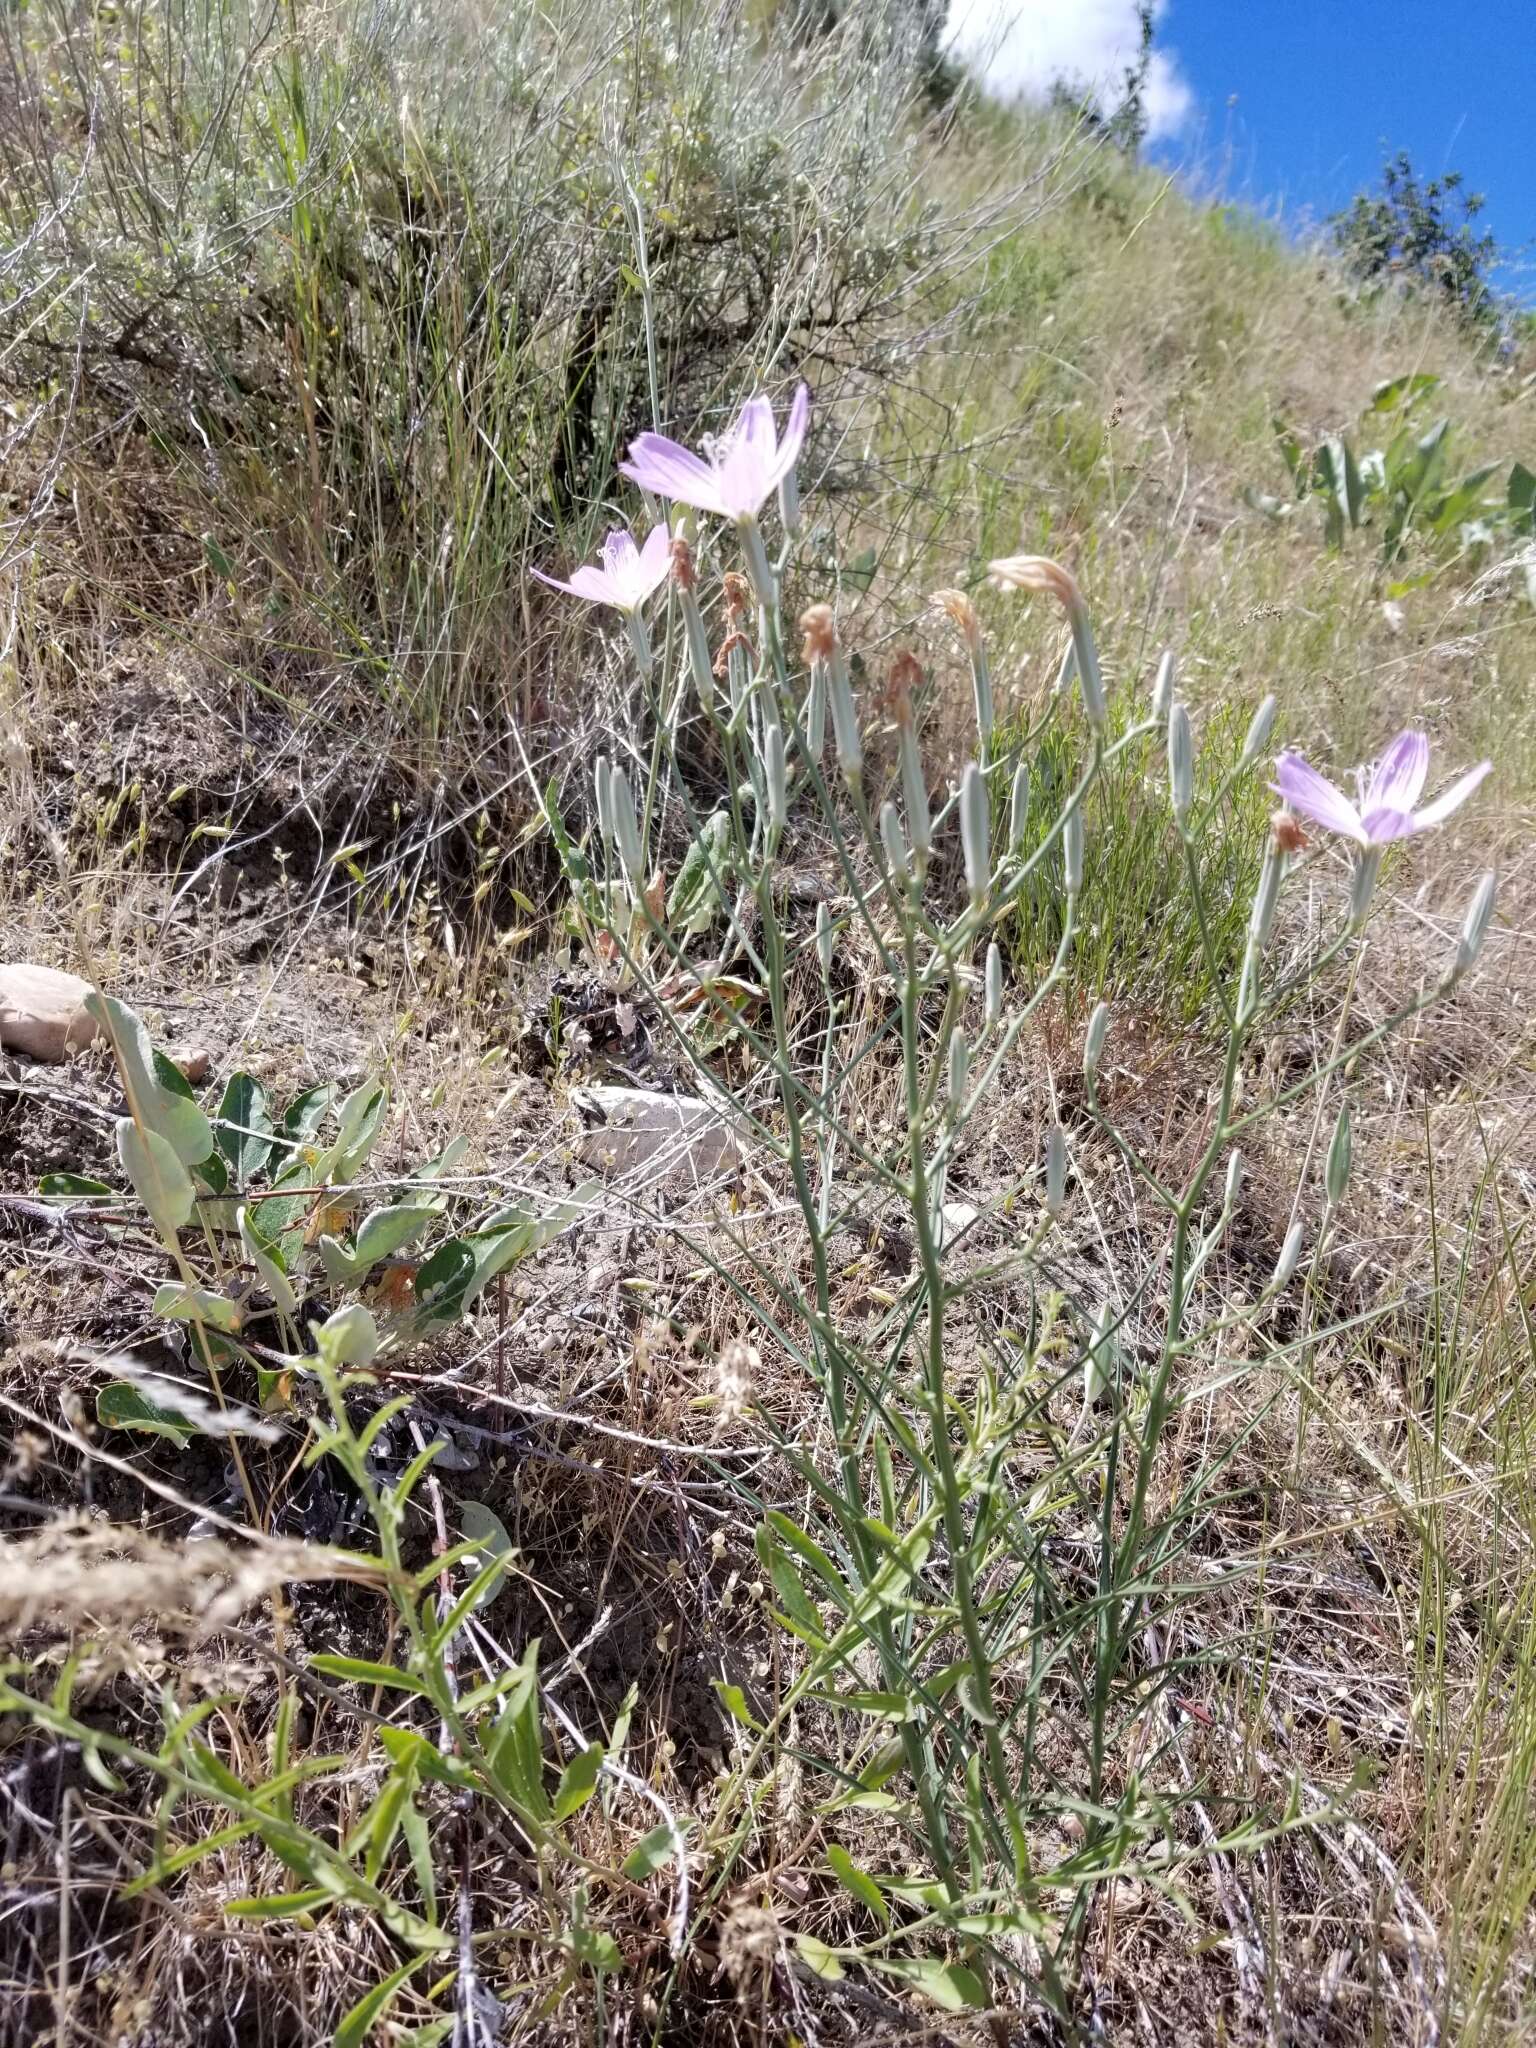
1422,235
1407,488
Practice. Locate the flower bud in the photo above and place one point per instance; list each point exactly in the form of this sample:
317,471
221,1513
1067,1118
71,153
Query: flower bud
1162,687
1072,849
825,939
1289,1259
1181,762
1088,676
1018,807
776,778
845,719
1093,1042
698,645
626,828
1336,1178
1099,1365
994,983
816,714
1234,1185
914,790
602,790
891,840
1475,930
1267,896
789,502
1259,730
1055,1171
959,1068
973,833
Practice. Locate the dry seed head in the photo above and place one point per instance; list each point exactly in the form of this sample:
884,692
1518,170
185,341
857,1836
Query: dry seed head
736,1374
820,630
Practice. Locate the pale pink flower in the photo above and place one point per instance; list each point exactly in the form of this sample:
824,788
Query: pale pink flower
743,468
625,576
1389,791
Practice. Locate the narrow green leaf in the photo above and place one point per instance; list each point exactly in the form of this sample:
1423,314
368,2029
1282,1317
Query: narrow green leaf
365,1672
578,1781
949,1985
857,1881
357,2024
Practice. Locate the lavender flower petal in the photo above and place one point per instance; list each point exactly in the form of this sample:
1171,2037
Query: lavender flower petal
1316,798
1450,799
1397,781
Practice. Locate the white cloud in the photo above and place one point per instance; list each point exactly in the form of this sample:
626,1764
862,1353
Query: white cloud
1020,48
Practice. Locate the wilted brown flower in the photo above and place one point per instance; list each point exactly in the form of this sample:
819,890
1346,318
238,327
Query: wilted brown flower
820,630
1036,573
683,572
728,647
738,596
904,675
960,611
1286,827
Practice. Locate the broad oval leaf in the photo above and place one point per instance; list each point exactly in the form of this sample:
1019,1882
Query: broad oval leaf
159,1178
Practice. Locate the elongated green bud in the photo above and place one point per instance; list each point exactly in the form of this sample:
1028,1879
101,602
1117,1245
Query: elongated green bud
1018,807
994,983
1259,731
816,713
959,1068
1265,898
1162,687
1234,1181
845,718
973,833
1072,850
981,685
1479,916
891,840
626,828
776,778
789,502
602,790
1099,1365
1340,1153
1093,1043
1181,762
825,939
698,648
1289,1259
1087,654
914,790
1055,1171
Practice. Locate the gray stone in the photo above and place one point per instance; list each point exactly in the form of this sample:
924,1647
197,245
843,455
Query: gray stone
43,1014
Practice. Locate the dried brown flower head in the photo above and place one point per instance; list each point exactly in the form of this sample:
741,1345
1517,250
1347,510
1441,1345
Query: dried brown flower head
728,647
1286,827
820,630
1036,573
960,611
738,596
684,574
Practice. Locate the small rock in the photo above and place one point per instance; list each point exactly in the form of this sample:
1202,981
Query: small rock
43,1014
194,1064
638,1131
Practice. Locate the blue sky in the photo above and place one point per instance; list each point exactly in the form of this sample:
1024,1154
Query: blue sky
1292,104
